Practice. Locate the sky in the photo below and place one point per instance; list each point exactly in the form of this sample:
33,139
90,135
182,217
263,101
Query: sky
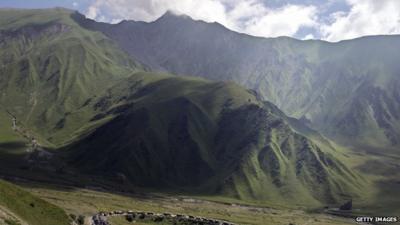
330,20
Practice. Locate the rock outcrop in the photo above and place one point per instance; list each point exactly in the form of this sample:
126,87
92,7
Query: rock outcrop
102,218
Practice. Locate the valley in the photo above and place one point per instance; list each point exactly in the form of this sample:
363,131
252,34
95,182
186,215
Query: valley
89,202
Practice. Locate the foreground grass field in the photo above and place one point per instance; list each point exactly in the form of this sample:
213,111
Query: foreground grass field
88,202
21,207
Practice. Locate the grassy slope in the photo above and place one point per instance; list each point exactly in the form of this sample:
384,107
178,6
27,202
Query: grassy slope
8,138
183,128
30,208
50,67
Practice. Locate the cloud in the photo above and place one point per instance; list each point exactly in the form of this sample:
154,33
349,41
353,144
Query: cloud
309,37
331,20
246,16
75,4
285,21
149,10
366,17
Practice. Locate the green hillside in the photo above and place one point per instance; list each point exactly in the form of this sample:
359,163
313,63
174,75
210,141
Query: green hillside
206,137
75,91
50,67
29,208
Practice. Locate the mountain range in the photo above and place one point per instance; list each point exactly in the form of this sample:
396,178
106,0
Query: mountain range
245,118
348,90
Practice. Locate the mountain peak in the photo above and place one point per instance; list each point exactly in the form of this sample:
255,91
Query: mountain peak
170,14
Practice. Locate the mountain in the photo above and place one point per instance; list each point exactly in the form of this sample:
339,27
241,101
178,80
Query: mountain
98,111
50,67
348,90
209,137
20,207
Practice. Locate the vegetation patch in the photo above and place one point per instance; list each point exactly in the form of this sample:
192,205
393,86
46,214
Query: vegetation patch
31,209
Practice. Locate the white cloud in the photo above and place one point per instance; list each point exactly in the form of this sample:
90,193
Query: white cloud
285,21
75,4
366,17
309,37
247,16
361,17
149,10
92,12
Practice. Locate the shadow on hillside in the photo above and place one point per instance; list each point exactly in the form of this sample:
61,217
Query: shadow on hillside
53,180
12,145
387,200
57,175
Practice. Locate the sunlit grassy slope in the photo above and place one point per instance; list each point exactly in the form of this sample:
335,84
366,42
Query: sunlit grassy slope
50,67
30,208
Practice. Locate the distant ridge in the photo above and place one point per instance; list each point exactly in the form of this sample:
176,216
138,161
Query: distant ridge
347,90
